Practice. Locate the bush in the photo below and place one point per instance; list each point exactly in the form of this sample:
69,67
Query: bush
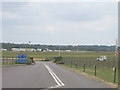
29,61
47,59
60,62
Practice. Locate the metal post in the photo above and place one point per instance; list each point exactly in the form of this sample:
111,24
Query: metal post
95,69
59,50
83,67
71,64
114,69
76,65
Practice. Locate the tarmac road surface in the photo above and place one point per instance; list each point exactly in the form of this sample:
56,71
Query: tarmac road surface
46,75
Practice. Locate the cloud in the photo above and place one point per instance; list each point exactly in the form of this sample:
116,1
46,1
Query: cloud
60,22
105,24
51,28
60,0
9,15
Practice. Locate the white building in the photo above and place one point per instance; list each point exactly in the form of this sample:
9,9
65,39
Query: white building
67,50
23,49
39,49
1,49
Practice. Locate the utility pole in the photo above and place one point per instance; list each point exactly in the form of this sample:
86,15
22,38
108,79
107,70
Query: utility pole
29,45
116,48
59,50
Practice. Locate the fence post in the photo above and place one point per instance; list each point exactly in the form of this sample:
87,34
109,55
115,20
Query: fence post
114,69
71,64
76,65
83,67
69,61
95,69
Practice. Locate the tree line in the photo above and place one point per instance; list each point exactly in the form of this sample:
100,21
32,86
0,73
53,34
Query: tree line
9,46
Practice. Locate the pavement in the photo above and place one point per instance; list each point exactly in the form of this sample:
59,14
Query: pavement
46,75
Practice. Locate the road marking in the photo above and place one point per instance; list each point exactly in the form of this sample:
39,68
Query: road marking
55,77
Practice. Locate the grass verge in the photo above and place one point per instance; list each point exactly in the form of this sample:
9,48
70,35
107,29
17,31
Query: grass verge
103,75
11,64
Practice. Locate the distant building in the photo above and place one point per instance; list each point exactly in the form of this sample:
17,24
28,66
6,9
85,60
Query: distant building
2,49
46,49
39,49
30,49
56,50
18,49
50,50
23,49
67,50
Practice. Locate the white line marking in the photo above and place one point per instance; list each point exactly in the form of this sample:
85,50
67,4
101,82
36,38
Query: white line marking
52,75
55,77
56,86
62,84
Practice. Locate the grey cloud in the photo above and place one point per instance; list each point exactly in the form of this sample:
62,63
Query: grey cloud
61,22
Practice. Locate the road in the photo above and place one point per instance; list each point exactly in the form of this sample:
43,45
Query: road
46,75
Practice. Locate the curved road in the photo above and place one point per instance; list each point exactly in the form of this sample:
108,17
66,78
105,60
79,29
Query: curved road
46,75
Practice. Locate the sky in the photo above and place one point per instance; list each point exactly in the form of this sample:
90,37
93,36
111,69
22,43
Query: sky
60,23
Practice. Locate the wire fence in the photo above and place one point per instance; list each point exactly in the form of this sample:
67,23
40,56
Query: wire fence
10,60
106,70
110,62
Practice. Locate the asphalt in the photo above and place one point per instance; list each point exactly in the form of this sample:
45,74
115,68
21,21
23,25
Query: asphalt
46,75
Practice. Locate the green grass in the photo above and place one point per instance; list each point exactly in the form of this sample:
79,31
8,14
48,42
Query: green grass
104,74
53,54
11,64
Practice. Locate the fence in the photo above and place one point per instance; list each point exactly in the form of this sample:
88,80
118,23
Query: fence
106,70
91,61
6,60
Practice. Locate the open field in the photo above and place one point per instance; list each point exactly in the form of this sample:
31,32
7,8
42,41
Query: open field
54,54
75,60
